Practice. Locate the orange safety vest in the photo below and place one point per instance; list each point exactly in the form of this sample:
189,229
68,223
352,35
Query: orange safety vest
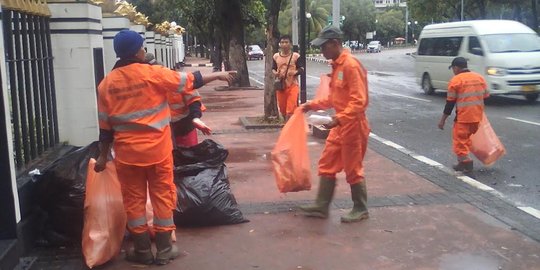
179,102
282,61
132,101
468,90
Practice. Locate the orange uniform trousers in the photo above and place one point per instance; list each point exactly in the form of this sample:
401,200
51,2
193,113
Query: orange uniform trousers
158,180
461,139
288,99
345,149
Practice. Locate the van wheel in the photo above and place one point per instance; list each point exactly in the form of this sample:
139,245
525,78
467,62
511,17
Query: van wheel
427,86
531,97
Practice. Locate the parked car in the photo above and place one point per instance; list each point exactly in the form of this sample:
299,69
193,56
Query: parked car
254,52
374,46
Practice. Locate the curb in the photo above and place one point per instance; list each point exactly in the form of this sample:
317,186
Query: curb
319,60
198,65
247,125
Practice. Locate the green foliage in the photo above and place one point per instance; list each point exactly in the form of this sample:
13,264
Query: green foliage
319,10
359,18
391,24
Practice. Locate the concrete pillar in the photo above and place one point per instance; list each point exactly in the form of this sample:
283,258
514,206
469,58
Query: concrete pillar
165,52
77,45
141,29
150,43
112,24
157,42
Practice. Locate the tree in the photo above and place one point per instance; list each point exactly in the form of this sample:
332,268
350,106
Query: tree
319,10
391,24
359,18
272,35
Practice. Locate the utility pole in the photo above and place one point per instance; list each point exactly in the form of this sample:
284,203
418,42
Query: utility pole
295,23
461,10
335,13
303,93
406,24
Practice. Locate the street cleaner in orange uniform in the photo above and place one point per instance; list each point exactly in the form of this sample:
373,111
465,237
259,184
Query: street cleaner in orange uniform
287,67
466,91
134,118
346,144
186,112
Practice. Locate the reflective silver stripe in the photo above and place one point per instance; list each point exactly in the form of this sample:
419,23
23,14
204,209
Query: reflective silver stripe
187,98
163,222
179,117
137,222
177,106
451,94
136,126
103,116
469,103
183,80
138,114
471,94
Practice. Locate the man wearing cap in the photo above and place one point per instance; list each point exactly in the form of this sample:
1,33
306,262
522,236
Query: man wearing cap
466,91
133,113
346,144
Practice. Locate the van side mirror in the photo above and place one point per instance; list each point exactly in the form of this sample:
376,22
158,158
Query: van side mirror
477,51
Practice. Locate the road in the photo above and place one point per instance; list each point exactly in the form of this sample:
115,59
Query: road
400,112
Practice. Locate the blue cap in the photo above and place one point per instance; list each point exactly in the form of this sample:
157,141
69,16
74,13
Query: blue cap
127,43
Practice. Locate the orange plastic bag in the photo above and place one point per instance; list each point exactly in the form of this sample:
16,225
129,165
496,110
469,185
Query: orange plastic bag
150,219
290,157
486,146
104,216
323,91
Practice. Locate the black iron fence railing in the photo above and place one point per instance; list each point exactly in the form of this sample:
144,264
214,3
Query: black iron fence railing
34,120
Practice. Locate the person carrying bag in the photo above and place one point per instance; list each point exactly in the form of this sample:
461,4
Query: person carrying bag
286,69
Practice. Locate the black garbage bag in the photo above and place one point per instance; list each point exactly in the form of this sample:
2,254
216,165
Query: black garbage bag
206,199
60,192
202,185
207,154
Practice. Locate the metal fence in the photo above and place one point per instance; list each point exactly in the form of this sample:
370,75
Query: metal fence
27,44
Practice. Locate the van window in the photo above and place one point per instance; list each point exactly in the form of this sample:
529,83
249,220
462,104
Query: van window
446,46
503,43
474,46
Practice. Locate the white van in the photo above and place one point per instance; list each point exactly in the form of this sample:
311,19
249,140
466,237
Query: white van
506,53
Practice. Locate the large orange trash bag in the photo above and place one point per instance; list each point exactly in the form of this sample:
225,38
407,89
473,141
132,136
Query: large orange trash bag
486,146
290,157
104,216
323,91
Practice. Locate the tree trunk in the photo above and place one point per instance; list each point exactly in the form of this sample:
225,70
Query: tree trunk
272,34
237,54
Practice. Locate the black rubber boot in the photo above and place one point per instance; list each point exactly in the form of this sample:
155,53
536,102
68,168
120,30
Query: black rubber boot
141,252
166,250
464,166
359,211
322,202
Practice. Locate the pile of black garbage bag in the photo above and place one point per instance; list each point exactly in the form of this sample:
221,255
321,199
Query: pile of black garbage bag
200,176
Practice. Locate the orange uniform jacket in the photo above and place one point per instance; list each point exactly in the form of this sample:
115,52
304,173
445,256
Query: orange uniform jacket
132,102
468,90
347,143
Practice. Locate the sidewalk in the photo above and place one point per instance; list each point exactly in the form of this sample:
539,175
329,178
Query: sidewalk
420,217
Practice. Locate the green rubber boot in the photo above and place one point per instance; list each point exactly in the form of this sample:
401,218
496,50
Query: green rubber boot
141,252
359,211
166,250
322,202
